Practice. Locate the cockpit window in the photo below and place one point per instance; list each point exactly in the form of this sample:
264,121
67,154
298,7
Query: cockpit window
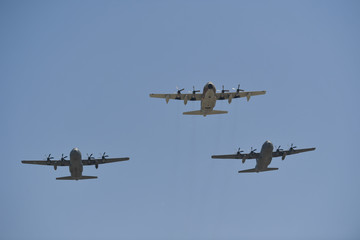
210,86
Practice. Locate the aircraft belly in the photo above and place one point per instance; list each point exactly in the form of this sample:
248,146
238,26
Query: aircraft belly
208,102
263,161
265,155
76,167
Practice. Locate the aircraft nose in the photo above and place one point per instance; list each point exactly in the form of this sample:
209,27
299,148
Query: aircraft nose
210,85
74,151
269,143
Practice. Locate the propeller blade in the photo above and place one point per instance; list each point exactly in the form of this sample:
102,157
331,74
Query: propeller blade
179,90
239,151
238,89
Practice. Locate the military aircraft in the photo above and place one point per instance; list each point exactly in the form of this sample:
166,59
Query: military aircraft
208,98
263,159
76,163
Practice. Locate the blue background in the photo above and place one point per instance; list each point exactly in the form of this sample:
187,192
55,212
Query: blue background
79,74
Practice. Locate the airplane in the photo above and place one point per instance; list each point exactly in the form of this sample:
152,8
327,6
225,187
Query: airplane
264,157
208,98
76,163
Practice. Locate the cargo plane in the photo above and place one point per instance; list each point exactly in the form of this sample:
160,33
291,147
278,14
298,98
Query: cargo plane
76,163
208,98
264,157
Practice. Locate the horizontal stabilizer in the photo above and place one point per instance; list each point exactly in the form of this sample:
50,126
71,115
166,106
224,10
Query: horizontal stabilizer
76,178
255,170
199,112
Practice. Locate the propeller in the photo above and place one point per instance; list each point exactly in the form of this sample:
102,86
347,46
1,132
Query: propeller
62,157
223,90
238,151
195,91
104,156
252,150
279,149
179,90
49,157
238,89
292,147
90,157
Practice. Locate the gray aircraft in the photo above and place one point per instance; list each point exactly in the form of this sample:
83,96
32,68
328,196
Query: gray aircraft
76,163
263,159
208,98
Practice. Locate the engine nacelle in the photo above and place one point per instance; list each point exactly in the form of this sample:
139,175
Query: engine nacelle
230,98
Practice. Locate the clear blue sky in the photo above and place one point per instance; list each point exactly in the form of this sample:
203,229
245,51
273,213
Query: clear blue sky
79,74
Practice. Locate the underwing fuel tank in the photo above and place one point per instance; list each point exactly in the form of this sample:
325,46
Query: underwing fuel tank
230,98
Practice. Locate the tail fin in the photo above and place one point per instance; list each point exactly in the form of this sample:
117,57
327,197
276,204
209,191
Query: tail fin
199,112
255,170
76,178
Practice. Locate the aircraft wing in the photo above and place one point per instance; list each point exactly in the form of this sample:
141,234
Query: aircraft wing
102,161
178,96
231,95
291,151
237,156
49,163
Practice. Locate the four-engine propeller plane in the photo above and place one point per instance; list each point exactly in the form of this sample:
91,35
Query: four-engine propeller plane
264,157
208,98
208,101
76,163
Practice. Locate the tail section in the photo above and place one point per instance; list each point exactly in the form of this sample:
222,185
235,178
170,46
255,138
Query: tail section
76,178
255,170
199,112
217,112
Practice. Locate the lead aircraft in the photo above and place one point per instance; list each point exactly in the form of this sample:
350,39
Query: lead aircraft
263,158
208,98
76,163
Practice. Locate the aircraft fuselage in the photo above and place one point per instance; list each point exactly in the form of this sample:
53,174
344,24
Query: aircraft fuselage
208,100
76,166
265,156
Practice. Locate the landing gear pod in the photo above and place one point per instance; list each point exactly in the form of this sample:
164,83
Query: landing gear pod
55,167
167,98
283,156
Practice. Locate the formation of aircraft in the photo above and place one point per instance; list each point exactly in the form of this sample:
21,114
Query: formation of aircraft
208,98
76,163
264,157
